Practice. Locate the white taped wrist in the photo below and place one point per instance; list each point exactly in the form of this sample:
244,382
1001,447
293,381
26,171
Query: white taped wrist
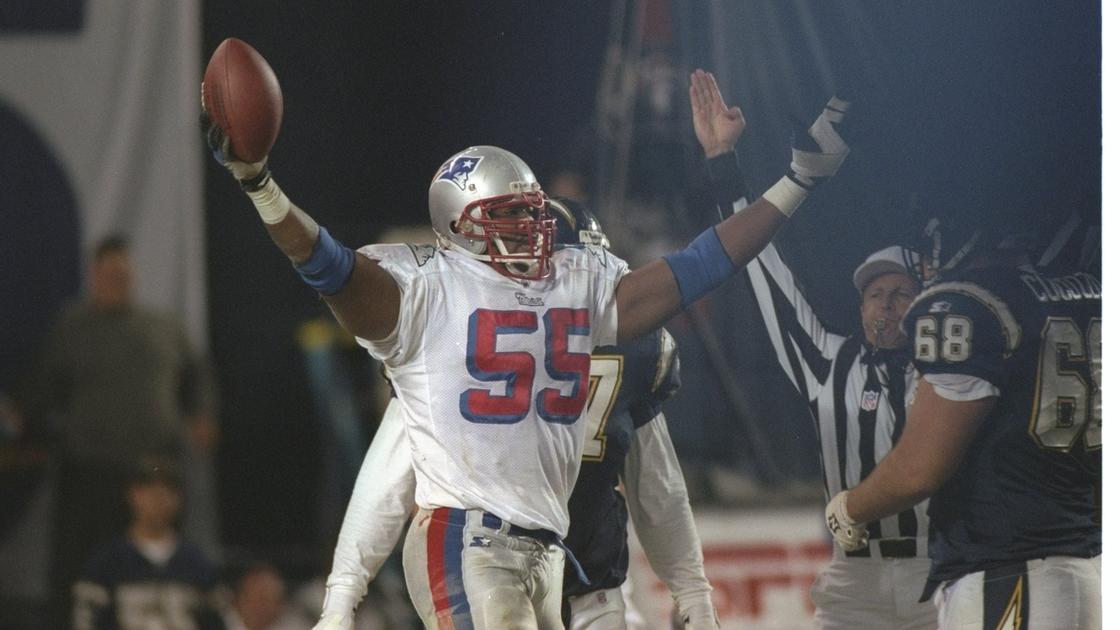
341,600
836,109
271,202
697,606
786,195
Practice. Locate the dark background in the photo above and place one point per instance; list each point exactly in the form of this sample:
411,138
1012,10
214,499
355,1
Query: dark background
981,110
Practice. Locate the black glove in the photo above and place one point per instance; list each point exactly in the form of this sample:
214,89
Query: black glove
252,176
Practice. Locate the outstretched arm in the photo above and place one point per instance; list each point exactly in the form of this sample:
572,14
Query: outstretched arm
954,397
937,435
653,293
363,297
802,344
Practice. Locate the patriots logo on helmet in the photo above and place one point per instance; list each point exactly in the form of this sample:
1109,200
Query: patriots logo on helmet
457,171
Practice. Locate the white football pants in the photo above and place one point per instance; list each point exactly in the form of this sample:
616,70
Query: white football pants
462,574
872,594
1055,593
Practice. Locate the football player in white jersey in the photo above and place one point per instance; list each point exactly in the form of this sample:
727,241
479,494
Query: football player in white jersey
487,339
626,436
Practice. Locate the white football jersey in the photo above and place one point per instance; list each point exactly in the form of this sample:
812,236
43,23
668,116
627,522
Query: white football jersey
492,373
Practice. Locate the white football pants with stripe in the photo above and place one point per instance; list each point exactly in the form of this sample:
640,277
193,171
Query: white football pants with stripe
464,575
1055,593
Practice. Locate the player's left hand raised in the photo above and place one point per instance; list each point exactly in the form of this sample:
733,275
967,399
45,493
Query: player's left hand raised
847,533
218,142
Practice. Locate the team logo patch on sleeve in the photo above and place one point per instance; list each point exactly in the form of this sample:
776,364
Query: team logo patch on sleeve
459,170
422,253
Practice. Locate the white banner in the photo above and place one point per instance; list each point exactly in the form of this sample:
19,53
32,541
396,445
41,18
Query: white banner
760,563
115,101
99,103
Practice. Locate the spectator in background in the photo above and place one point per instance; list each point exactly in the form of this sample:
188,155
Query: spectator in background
113,380
260,601
149,576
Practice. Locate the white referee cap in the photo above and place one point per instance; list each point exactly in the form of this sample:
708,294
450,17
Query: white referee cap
893,259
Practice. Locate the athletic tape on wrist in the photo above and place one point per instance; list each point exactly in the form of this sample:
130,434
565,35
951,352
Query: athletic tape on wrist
341,601
786,195
700,267
330,265
255,182
835,110
271,202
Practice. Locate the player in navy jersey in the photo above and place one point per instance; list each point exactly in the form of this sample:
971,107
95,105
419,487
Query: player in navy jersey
1005,433
627,439
633,380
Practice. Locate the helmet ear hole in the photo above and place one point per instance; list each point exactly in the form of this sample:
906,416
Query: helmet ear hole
453,227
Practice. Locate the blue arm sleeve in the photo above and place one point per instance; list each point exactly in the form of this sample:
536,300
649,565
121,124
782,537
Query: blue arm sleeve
700,267
330,265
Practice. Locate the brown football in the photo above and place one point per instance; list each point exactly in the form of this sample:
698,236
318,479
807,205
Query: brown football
241,94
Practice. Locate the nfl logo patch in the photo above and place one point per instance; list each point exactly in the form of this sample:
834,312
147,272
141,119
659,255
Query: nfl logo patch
870,401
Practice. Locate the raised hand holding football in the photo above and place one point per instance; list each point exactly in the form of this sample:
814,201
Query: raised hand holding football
240,94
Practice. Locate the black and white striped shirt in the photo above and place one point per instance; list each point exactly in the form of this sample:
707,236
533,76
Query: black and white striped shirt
831,372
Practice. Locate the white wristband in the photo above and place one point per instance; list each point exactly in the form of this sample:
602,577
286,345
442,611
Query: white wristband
699,610
341,600
271,202
786,195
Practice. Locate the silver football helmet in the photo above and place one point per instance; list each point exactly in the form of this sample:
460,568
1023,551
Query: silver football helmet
486,203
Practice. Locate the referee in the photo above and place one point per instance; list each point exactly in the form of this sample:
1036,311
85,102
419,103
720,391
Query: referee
856,388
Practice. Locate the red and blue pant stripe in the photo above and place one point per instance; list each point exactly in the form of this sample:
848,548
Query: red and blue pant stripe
445,569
